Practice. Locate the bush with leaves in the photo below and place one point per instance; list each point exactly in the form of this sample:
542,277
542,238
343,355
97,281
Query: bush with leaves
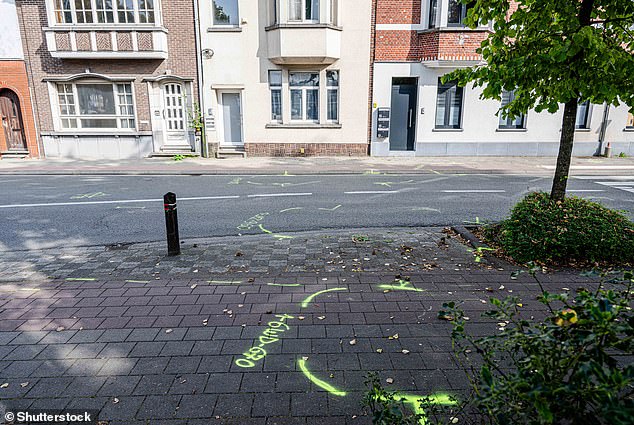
575,230
571,368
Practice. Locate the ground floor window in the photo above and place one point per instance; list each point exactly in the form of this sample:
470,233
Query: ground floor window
275,84
630,120
507,122
583,115
332,87
304,88
449,105
96,105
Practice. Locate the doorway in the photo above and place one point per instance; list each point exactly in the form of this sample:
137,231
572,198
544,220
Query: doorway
12,124
175,115
231,119
403,114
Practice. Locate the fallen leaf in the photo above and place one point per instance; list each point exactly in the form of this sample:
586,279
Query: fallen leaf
304,358
24,384
59,329
379,350
300,317
353,342
405,351
115,400
193,286
5,385
321,317
169,331
389,380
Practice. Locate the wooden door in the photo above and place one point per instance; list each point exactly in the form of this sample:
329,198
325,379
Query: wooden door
12,124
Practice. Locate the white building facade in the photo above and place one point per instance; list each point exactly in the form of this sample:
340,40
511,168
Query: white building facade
286,77
413,114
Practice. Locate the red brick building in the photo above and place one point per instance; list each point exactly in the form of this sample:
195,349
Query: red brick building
111,79
18,137
415,43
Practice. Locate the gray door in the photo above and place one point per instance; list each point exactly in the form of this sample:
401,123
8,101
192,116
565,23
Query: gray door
403,114
232,118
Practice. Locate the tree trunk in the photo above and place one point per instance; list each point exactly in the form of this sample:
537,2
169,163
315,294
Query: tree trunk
566,142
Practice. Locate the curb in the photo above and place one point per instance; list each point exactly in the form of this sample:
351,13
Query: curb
466,234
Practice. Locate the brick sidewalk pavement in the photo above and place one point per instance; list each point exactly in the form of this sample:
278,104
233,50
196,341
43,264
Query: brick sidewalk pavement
251,330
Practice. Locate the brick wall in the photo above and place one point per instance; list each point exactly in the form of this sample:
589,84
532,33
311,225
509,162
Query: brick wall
178,18
398,12
310,149
13,77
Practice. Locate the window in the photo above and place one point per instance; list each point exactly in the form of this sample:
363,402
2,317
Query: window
275,83
225,12
457,12
332,92
304,88
433,11
303,10
505,121
583,115
630,120
449,105
96,105
105,11
333,12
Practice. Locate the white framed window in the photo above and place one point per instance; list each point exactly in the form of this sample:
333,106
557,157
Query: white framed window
304,91
225,13
303,10
333,12
457,12
584,112
275,84
433,14
96,105
630,120
105,11
332,95
506,122
449,106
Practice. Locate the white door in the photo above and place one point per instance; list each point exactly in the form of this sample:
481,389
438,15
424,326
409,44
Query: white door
175,115
232,119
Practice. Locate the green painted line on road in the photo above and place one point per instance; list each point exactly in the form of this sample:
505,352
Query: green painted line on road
321,384
331,209
80,279
291,209
414,402
222,281
137,281
284,284
309,298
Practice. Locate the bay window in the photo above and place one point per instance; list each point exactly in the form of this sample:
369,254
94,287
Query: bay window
449,106
105,11
303,10
506,122
275,84
457,12
332,92
96,106
304,91
225,12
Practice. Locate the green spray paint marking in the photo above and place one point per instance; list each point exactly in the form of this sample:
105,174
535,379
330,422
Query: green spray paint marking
291,209
331,209
403,285
80,279
237,180
269,336
311,297
425,209
222,281
414,402
321,384
284,284
275,235
137,281
89,195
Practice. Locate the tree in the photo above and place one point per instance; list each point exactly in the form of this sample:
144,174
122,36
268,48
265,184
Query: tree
554,52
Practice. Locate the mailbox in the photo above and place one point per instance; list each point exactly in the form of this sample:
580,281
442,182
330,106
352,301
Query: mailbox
383,123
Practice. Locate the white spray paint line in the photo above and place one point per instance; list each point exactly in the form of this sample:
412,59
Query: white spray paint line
619,183
474,191
603,177
594,167
370,192
585,190
272,195
125,201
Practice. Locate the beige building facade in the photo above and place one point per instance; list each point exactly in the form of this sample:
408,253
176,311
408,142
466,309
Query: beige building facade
286,77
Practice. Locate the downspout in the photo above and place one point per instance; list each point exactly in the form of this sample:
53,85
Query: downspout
201,99
602,129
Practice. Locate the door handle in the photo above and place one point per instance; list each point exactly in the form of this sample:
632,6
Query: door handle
410,119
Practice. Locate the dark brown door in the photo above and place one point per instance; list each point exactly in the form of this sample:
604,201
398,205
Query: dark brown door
12,124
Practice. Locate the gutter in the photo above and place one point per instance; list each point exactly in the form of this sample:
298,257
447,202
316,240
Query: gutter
201,99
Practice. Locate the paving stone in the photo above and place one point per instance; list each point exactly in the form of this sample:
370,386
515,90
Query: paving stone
154,384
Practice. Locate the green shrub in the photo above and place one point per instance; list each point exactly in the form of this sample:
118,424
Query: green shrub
574,367
575,230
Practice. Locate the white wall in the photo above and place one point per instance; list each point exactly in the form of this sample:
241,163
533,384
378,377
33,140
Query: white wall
240,62
480,134
10,40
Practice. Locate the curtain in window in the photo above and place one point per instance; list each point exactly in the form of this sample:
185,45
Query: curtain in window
448,106
295,10
582,114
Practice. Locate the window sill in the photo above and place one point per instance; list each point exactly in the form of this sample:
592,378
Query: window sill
629,129
303,125
454,29
105,27
583,130
303,25
224,29
511,130
81,133
447,130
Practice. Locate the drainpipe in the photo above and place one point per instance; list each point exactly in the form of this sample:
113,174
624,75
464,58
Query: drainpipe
201,99
602,129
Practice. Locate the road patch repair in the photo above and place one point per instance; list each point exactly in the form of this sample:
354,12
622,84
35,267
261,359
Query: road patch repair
285,332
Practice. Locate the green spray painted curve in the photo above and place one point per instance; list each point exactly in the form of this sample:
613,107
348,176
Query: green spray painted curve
321,384
414,402
309,298
403,285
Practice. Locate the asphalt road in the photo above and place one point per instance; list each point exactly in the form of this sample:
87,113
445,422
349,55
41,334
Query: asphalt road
52,211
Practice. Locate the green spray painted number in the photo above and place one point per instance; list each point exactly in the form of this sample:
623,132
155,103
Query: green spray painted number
403,285
309,298
321,384
269,336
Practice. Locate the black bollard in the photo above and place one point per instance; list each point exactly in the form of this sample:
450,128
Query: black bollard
171,224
